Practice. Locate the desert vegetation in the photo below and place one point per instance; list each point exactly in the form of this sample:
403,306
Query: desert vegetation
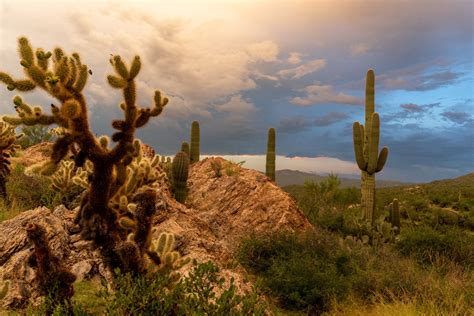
403,250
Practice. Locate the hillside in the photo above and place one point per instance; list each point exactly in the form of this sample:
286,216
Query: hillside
294,177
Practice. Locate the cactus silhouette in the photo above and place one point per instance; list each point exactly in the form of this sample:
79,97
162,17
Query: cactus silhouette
366,144
180,170
195,139
270,163
64,78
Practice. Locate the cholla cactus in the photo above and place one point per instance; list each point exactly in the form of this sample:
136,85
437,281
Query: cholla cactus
64,78
366,149
170,259
52,277
4,286
7,149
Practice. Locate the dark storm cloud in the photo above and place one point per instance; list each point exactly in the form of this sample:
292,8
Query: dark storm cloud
330,118
294,124
457,117
410,110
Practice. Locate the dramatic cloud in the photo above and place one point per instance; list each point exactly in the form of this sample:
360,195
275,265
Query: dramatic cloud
457,117
324,94
330,118
410,110
294,124
303,70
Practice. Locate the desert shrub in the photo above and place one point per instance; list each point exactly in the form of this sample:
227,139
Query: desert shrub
311,272
34,135
202,292
30,191
426,244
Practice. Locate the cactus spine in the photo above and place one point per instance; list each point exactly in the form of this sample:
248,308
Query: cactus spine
366,144
270,164
185,148
180,170
195,139
395,214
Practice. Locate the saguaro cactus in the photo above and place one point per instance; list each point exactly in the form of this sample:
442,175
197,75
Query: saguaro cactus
395,214
195,139
185,148
270,164
366,145
180,170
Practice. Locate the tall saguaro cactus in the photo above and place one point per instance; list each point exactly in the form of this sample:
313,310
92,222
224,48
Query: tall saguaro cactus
195,139
180,169
270,164
366,146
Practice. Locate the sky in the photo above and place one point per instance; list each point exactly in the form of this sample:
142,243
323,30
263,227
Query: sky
241,67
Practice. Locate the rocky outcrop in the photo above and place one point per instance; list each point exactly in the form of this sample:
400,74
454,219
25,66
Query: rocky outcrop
218,213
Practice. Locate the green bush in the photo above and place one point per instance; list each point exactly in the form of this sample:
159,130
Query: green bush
29,192
302,271
426,244
202,292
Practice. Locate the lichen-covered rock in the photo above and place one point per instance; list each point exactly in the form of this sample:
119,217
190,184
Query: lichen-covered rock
218,213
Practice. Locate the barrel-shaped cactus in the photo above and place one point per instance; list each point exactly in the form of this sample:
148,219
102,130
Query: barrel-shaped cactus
185,147
270,163
180,170
395,214
195,139
366,144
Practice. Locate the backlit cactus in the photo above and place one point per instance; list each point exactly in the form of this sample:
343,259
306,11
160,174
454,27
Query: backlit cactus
7,149
395,213
271,155
64,77
195,139
366,145
180,169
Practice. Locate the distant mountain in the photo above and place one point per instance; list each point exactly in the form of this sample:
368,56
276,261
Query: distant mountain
294,177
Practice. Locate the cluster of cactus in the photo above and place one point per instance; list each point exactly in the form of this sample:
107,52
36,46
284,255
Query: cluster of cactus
194,150
366,144
271,155
171,259
64,78
180,170
7,149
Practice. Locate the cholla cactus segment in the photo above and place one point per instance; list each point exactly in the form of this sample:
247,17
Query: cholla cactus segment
163,247
7,149
58,131
62,178
4,286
